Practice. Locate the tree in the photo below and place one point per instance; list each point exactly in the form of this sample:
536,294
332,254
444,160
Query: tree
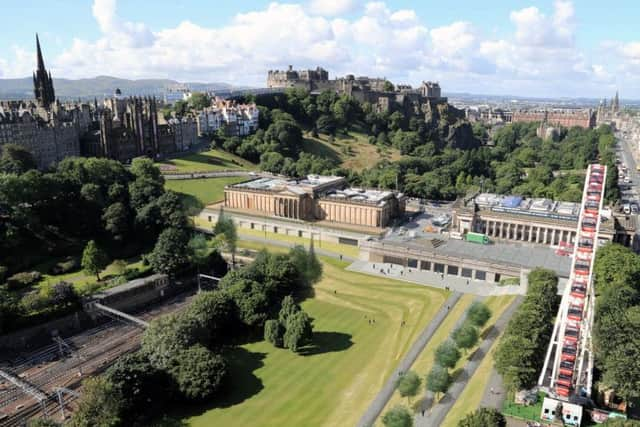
64,293
438,380
483,417
226,228
287,309
408,385
298,331
94,259
466,336
307,263
199,100
100,404
398,416
16,159
213,312
198,252
478,314
145,389
116,220
198,372
447,354
171,252
168,335
273,332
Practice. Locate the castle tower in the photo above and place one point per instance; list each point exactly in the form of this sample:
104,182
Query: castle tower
42,81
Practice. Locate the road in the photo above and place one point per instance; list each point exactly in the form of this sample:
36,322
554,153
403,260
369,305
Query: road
380,401
436,415
626,154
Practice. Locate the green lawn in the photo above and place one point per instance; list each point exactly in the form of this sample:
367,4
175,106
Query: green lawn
207,161
197,193
352,151
340,375
87,283
531,412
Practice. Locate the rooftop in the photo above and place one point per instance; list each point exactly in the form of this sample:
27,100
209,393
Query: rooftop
308,184
515,254
536,207
377,197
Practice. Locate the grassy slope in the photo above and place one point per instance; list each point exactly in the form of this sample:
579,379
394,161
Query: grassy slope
353,151
334,386
207,161
83,281
200,192
472,394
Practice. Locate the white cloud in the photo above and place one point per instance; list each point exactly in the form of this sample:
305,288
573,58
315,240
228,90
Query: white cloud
332,7
345,36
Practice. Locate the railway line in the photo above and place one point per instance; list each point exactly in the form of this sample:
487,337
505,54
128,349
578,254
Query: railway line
66,364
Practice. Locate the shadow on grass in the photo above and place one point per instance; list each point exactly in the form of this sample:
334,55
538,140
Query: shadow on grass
320,149
240,384
327,342
209,160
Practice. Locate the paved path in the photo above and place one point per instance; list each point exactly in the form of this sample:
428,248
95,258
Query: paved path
437,413
217,174
380,401
494,393
436,280
284,244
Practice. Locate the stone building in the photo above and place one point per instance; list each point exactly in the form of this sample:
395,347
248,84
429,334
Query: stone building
129,127
236,119
375,91
44,126
561,117
538,221
316,198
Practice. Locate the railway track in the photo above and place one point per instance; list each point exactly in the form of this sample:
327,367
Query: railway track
88,353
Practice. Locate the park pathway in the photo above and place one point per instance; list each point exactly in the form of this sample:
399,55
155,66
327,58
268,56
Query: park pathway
436,415
380,401
284,244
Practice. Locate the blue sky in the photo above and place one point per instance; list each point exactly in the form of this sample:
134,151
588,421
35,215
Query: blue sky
544,48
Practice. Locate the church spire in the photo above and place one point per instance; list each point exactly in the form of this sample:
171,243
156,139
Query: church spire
42,81
40,60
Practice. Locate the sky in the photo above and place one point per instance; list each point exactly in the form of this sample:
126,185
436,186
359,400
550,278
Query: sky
548,48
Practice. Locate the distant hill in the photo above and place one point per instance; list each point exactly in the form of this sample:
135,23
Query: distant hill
99,86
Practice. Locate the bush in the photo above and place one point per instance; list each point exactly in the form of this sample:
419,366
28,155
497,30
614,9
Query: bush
34,301
3,273
23,280
66,266
483,417
398,416
64,293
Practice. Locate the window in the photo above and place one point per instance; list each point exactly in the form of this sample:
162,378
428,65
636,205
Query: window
425,265
299,233
452,270
347,241
438,268
481,275
412,263
546,410
275,230
497,278
253,226
209,218
466,272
